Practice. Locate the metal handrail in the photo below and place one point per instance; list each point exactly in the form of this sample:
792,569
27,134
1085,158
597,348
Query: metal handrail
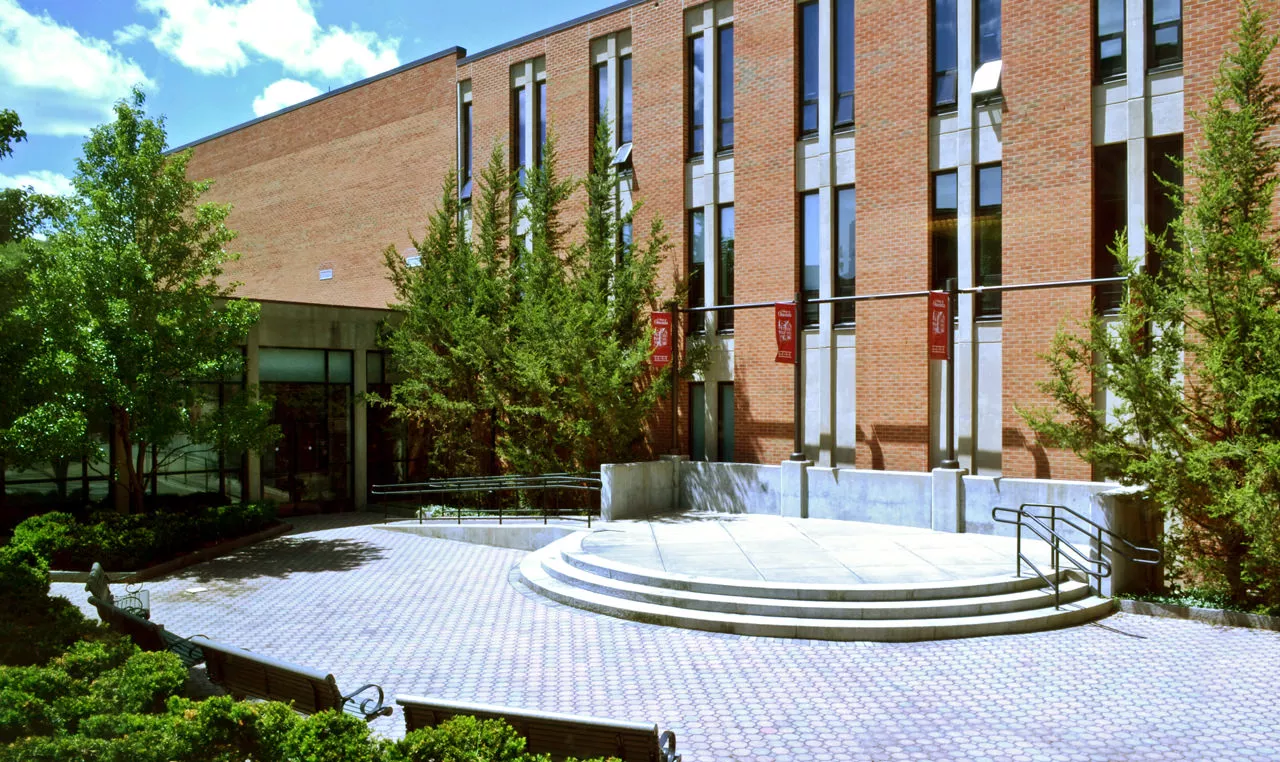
589,482
1060,548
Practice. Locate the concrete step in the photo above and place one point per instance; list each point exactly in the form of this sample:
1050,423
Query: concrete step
931,608
537,576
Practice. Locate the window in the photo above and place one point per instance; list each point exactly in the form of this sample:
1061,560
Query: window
942,228
811,253
844,63
846,260
1164,35
697,422
602,96
988,28
724,269
1110,212
697,84
945,54
809,68
724,87
1163,155
542,123
987,237
465,152
724,423
1109,47
518,143
697,269
624,113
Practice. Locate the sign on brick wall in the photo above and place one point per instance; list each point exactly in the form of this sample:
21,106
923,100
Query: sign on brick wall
939,325
784,328
660,347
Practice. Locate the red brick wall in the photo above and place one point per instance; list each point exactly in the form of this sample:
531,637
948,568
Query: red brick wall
892,110
765,200
1047,171
333,184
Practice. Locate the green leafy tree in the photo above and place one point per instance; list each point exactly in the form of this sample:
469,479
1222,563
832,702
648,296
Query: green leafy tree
130,315
1194,357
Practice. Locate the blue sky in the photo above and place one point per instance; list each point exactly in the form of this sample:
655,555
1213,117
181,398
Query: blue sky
210,64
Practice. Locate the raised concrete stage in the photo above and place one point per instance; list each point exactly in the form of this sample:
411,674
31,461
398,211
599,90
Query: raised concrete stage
806,578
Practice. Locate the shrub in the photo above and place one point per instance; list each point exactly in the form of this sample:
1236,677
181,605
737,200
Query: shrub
333,736
465,739
35,627
143,684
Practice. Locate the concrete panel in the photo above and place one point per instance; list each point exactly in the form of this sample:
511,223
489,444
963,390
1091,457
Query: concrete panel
982,493
990,145
636,490
809,163
724,180
1110,113
1165,117
944,142
846,166
514,536
990,434
730,488
899,498
846,418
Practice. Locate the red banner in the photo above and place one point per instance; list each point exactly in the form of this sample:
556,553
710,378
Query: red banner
784,327
939,325
660,347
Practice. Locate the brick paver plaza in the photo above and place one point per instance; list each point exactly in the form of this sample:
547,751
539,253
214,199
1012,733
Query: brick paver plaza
447,619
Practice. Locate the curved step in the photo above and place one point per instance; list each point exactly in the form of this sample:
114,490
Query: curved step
1078,612
1020,600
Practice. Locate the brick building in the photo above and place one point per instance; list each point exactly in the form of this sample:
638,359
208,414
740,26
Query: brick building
843,146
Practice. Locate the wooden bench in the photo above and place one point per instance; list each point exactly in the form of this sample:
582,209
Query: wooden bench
246,674
135,600
146,634
560,735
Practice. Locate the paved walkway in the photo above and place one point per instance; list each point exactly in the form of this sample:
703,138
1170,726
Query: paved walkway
420,615
777,549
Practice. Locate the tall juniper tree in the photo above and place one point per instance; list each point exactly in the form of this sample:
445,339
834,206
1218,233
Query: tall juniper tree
1194,356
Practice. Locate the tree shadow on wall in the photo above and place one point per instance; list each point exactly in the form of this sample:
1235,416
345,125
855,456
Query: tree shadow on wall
890,435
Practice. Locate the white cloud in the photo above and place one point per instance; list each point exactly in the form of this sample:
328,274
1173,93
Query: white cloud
42,181
58,81
220,37
285,92
130,34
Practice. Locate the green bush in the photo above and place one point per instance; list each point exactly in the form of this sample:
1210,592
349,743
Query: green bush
466,739
334,736
35,627
143,684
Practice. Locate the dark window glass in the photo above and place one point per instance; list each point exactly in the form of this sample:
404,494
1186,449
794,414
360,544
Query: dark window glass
1163,157
697,85
724,269
809,68
518,147
602,95
724,423
1109,52
846,253
1164,35
624,241
988,26
1110,213
844,63
942,227
945,53
465,129
542,122
811,255
624,113
987,237
697,269
724,87
697,422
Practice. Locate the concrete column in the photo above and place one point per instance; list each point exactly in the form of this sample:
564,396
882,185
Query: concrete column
948,499
795,488
253,485
673,504
1129,512
360,433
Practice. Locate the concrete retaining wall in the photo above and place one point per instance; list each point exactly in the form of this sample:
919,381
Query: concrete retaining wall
900,498
982,493
636,490
730,488
514,536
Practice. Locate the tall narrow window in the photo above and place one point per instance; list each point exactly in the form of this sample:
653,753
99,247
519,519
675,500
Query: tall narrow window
846,255
844,63
519,146
602,95
724,87
724,268
811,252
724,423
542,123
697,421
1110,210
697,85
1109,47
697,269
987,237
809,68
464,154
1164,35
945,54
942,226
988,26
1163,155
624,100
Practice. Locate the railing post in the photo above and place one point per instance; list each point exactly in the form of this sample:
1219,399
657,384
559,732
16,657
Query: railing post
1018,547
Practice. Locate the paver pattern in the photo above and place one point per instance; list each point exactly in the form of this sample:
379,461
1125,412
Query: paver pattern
447,619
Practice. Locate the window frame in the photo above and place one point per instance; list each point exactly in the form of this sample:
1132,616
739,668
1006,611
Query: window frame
846,313
951,73
697,52
989,306
698,276
466,157
626,100
1108,297
724,84
724,318
1155,64
1104,68
978,57
839,95
937,221
809,12
812,312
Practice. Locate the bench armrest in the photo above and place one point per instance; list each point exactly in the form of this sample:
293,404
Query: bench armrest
667,747
184,648
369,707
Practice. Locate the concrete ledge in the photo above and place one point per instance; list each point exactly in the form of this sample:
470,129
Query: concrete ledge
1209,616
181,562
513,536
